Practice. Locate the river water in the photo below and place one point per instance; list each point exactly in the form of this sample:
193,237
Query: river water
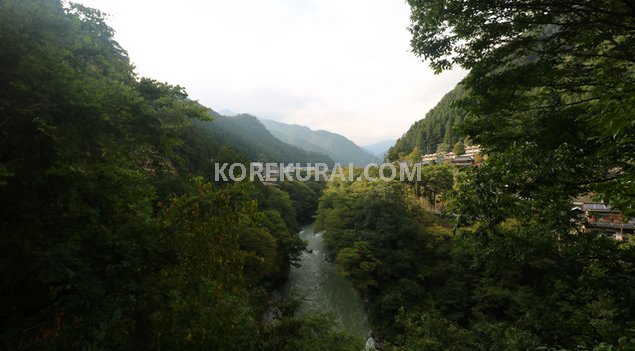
323,290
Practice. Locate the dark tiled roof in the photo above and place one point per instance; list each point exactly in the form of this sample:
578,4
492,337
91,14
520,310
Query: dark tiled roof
463,159
597,207
612,225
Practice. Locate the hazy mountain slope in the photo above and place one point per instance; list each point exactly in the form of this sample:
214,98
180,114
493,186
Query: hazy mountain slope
248,136
228,113
336,146
380,148
434,129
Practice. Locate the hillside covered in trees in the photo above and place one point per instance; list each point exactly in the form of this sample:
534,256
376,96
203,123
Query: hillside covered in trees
247,134
507,265
336,146
436,131
433,284
113,236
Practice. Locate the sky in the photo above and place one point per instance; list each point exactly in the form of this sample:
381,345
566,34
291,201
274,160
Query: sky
340,65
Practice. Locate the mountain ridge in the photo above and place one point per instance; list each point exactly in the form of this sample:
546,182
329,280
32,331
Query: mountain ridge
339,148
248,135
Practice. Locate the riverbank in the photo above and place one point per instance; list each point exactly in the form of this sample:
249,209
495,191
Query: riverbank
323,290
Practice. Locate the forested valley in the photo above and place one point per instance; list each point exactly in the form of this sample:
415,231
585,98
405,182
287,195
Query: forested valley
114,234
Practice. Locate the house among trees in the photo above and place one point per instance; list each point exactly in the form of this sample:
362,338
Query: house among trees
472,150
463,160
467,158
429,158
603,218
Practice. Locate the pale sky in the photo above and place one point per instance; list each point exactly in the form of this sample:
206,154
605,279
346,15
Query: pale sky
339,65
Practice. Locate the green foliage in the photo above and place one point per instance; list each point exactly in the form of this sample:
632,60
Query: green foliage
304,197
309,333
379,241
551,83
551,103
106,242
438,126
430,331
511,284
414,156
514,277
202,274
249,136
459,148
436,180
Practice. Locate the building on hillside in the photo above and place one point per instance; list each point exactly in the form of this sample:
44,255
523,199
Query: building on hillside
471,152
463,160
429,158
602,218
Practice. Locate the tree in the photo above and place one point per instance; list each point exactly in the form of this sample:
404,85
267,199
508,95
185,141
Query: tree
551,100
550,81
436,180
443,148
427,133
308,333
106,242
414,156
201,274
458,149
378,239
304,196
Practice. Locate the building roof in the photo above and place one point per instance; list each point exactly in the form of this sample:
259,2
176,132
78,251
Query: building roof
463,158
597,207
429,157
611,225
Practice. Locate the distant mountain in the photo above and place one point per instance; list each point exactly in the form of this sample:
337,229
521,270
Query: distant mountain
380,148
247,135
336,146
228,113
436,128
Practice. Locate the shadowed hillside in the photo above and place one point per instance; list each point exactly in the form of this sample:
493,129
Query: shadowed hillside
336,146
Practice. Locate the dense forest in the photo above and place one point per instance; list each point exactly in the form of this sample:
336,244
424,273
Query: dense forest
114,236
523,284
248,135
437,131
507,266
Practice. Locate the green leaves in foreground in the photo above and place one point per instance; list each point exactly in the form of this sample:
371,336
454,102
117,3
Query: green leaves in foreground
105,242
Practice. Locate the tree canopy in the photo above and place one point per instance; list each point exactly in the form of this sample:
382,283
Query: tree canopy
551,87
437,127
112,234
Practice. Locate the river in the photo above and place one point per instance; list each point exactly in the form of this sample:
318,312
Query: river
323,290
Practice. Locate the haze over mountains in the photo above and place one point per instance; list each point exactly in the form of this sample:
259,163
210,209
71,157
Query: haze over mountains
247,135
268,140
228,113
379,148
336,146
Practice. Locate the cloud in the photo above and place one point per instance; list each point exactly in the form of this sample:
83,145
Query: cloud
341,65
